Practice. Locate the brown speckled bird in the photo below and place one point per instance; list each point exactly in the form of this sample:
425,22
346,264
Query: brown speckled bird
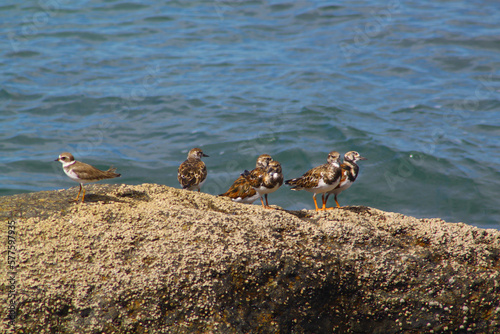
265,181
192,173
241,191
320,180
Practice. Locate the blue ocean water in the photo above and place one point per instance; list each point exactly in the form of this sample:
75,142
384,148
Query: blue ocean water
414,86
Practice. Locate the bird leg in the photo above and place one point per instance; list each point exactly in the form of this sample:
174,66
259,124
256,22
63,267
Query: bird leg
324,202
79,191
265,206
267,203
338,205
83,196
315,203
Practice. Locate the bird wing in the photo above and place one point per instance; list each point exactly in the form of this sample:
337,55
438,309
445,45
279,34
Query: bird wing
240,188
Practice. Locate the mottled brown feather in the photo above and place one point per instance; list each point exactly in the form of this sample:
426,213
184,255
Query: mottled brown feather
329,173
241,188
269,181
192,172
255,177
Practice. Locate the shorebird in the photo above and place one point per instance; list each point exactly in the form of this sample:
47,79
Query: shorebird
265,181
83,173
350,172
320,179
241,191
192,173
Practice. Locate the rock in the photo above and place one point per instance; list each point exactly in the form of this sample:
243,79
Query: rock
154,259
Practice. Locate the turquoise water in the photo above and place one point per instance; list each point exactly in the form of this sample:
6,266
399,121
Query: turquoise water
414,86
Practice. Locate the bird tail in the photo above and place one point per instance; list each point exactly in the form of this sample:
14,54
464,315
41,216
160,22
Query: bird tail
112,170
293,183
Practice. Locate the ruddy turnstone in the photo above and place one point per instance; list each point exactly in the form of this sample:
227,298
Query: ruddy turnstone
265,181
83,173
320,179
192,173
241,191
349,173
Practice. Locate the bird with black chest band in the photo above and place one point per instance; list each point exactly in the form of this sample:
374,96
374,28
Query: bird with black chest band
350,171
83,173
320,179
265,181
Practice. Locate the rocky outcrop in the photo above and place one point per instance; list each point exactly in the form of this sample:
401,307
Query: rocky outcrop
154,259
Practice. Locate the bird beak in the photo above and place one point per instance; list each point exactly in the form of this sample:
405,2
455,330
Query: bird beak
205,155
57,159
362,158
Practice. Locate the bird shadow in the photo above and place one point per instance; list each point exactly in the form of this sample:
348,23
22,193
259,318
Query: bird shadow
94,198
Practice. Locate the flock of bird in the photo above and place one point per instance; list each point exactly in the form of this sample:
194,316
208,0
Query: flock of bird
267,176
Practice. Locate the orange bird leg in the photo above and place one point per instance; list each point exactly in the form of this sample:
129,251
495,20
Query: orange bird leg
315,203
324,202
266,206
338,205
79,191
83,196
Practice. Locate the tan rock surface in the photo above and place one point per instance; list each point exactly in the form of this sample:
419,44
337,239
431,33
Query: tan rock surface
154,259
